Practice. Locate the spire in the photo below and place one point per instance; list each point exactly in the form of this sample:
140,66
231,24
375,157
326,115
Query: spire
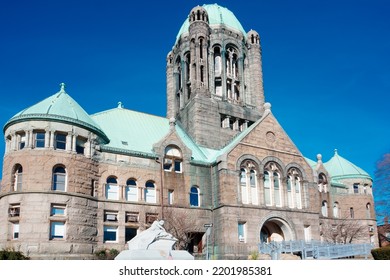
62,85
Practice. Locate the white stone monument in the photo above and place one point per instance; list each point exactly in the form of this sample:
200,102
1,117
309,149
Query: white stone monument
153,244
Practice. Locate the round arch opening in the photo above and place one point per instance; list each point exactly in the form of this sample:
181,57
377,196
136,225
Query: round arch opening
275,229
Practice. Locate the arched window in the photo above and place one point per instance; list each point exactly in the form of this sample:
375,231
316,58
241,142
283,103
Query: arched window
277,189
322,183
248,183
324,208
368,211
243,184
294,188
131,190
290,200
273,188
112,188
267,189
194,197
336,210
18,178
298,191
150,192
59,178
217,65
173,159
253,183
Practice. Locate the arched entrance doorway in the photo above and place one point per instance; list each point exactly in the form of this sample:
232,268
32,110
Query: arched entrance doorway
275,229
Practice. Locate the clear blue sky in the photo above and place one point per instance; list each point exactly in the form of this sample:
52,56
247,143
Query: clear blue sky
326,63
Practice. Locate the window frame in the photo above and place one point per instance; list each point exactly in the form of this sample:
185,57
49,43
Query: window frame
62,225
195,195
39,140
111,189
58,141
56,175
105,231
131,190
150,193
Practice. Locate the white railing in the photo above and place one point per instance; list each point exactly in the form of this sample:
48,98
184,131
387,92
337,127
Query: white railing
315,249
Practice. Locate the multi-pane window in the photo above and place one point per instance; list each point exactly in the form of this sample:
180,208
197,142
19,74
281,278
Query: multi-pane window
57,230
60,141
59,179
112,188
272,185
131,190
194,196
248,185
110,234
39,139
150,192
294,189
173,159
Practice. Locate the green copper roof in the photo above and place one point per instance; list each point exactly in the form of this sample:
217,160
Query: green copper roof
218,15
135,133
312,163
58,107
340,168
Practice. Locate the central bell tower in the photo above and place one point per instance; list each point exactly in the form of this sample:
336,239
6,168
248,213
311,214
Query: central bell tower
214,77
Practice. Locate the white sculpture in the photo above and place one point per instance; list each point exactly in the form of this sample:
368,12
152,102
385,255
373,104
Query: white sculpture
153,244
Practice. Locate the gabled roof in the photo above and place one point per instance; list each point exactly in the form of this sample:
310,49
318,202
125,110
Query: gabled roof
135,133
60,107
340,168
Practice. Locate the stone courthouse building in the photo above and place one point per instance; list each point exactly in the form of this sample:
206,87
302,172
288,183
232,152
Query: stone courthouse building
74,183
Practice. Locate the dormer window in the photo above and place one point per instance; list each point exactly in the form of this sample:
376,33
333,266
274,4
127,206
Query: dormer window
173,160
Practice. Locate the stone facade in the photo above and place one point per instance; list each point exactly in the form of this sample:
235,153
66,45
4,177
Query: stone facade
224,160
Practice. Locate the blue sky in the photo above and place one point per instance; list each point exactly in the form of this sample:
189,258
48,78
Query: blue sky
326,64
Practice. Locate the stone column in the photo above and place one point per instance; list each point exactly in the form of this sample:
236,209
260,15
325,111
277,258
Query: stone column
51,144
47,138
29,139
68,147
74,138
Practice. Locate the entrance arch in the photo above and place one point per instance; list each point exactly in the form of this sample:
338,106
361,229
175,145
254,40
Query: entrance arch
275,229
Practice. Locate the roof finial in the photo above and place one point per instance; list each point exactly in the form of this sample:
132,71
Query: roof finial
62,85
335,152
120,105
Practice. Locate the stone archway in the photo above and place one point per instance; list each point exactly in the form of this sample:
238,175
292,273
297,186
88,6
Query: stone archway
275,229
